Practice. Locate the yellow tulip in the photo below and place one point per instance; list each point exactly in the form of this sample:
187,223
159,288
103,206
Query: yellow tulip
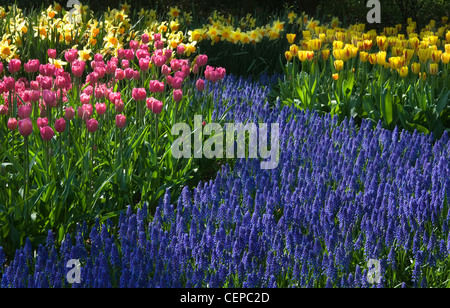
293,49
302,55
445,57
338,65
288,55
408,54
423,54
367,44
447,37
373,58
403,71
436,56
291,37
363,56
381,57
433,68
335,76
315,44
325,54
415,67
447,48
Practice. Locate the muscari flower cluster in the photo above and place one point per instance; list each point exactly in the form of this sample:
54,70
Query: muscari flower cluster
340,196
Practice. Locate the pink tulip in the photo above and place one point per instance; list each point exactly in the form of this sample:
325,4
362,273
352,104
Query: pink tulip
154,105
129,73
156,86
165,70
157,36
10,83
14,66
92,125
12,124
49,98
180,49
176,82
46,82
138,94
51,53
200,84
69,113
121,120
159,60
35,95
119,105
134,44
142,53
24,111
177,95
129,54
145,38
60,125
41,122
71,55
3,110
100,108
119,74
144,64
201,60
47,133
32,66
25,127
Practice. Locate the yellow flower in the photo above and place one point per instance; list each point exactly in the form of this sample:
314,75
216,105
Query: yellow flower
403,71
433,68
278,25
423,54
381,57
415,67
190,48
57,63
290,37
363,56
293,49
315,44
436,56
445,57
302,55
174,12
335,76
84,55
325,54
288,55
338,65
408,54
447,37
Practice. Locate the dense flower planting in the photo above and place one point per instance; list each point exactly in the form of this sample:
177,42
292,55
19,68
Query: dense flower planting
88,102
340,197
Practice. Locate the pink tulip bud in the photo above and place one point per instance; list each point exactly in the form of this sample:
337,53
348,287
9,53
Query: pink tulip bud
176,82
92,125
129,73
119,105
47,133
51,53
177,95
156,86
145,38
49,98
71,55
138,94
69,113
165,70
181,49
129,54
10,83
41,122
60,125
154,105
121,120
35,95
157,37
100,108
12,124
32,66
24,111
3,110
134,44
25,127
200,84
119,74
14,66
144,64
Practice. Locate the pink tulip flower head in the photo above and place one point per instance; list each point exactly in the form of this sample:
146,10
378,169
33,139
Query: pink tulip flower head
138,94
121,120
60,125
177,95
14,66
25,127
69,113
47,133
92,125
41,122
51,53
100,108
12,124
